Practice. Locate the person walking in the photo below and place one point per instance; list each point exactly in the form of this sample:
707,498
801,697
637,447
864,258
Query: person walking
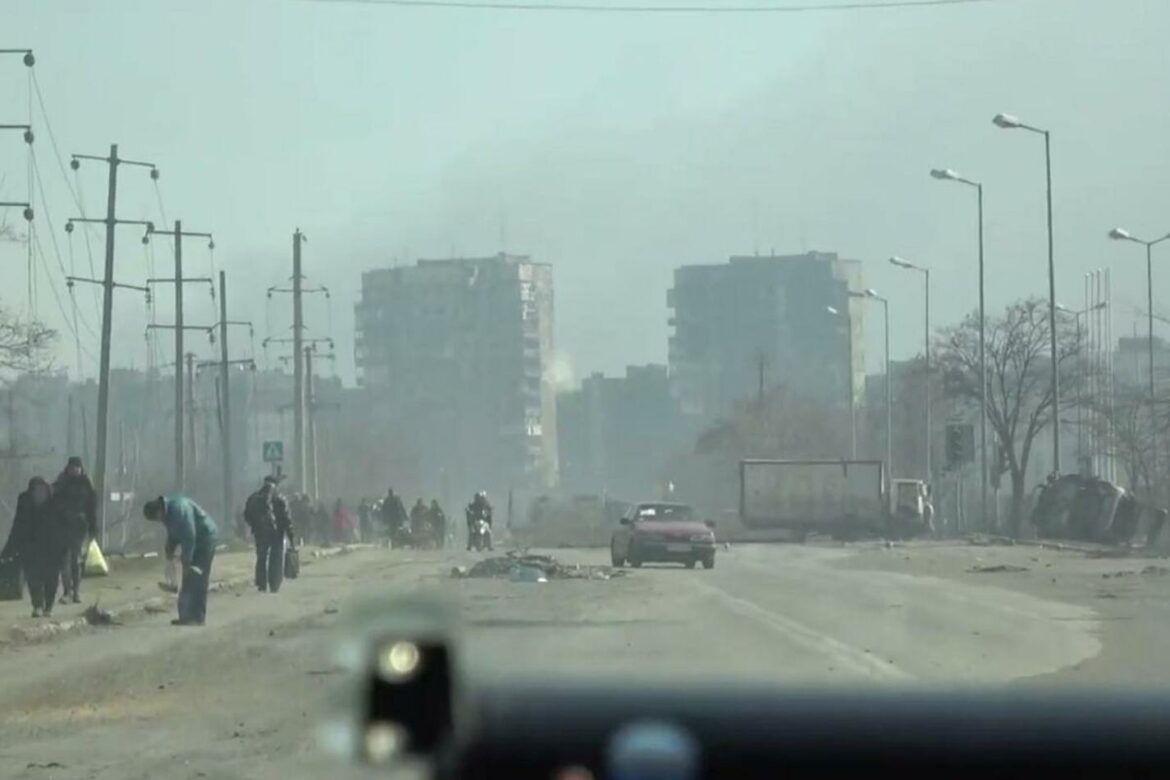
365,526
37,543
344,524
438,522
193,532
267,516
76,501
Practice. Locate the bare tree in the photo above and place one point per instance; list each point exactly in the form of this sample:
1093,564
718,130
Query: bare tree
25,345
1019,386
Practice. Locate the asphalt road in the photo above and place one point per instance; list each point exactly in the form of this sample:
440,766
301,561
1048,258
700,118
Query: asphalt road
246,695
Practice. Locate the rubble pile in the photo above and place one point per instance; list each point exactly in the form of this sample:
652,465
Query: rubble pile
523,566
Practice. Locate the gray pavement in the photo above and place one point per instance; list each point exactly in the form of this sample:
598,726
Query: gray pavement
244,696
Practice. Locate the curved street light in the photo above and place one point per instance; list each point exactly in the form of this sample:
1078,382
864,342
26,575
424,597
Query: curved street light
1121,234
1009,122
899,262
872,295
947,174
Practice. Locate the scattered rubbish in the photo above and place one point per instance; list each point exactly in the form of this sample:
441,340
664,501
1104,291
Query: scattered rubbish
47,765
986,540
996,569
525,573
168,587
1106,595
155,608
522,566
97,616
331,609
1155,571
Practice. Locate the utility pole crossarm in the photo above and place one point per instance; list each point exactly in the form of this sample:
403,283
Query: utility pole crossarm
69,280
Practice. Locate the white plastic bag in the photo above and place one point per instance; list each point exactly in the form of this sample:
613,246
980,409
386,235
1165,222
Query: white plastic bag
171,574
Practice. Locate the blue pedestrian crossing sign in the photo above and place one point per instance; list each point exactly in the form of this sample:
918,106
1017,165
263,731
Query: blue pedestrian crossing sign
273,451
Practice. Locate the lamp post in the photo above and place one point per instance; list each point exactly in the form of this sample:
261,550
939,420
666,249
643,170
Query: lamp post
1076,315
946,174
1009,122
849,379
1120,234
872,295
900,263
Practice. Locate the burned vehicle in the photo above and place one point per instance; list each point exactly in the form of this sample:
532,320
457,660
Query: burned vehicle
1087,509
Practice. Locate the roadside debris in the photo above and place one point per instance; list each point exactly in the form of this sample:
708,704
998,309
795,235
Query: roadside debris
97,616
987,540
522,566
996,569
1149,571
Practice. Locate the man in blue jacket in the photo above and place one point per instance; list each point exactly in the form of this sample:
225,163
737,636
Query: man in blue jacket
193,531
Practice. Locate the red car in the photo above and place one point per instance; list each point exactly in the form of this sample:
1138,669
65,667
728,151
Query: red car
666,532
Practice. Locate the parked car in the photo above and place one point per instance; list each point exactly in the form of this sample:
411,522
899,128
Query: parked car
663,532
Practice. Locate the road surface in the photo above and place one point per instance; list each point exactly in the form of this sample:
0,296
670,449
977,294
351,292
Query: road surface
246,695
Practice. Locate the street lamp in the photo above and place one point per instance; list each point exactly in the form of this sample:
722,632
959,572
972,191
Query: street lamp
1009,122
1120,234
900,263
849,381
946,174
872,295
1076,315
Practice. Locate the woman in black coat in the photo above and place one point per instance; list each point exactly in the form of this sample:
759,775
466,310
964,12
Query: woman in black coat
37,541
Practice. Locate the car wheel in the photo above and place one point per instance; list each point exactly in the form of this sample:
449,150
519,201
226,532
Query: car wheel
616,559
635,560
709,562
690,564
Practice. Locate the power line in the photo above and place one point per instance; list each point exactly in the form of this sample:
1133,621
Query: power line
53,236
494,5
40,252
73,187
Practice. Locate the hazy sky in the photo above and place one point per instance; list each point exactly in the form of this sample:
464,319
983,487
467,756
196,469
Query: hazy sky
616,147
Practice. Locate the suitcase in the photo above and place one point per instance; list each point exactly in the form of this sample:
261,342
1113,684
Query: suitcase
292,563
11,580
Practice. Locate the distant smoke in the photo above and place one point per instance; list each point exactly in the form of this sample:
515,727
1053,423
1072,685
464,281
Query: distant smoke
562,371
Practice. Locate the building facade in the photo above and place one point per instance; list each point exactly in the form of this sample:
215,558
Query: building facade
762,321
616,434
457,356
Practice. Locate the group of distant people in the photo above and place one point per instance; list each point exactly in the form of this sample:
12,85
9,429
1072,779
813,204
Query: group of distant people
56,523
50,534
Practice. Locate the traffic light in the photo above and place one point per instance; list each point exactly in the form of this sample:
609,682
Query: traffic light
960,444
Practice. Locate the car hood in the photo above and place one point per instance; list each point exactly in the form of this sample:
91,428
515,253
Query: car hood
672,527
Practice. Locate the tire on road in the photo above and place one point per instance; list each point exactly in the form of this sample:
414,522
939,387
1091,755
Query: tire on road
709,561
690,564
616,559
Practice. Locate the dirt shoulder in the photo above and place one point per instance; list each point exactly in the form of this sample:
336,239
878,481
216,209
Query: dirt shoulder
1130,597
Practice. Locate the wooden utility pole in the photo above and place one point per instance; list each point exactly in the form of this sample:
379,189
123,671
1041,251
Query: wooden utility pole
113,161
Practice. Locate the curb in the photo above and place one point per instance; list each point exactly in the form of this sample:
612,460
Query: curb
43,632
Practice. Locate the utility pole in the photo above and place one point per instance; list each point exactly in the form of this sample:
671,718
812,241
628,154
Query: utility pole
108,284
310,402
298,290
191,407
298,366
177,235
227,398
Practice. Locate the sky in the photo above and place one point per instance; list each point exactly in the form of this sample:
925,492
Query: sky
616,147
